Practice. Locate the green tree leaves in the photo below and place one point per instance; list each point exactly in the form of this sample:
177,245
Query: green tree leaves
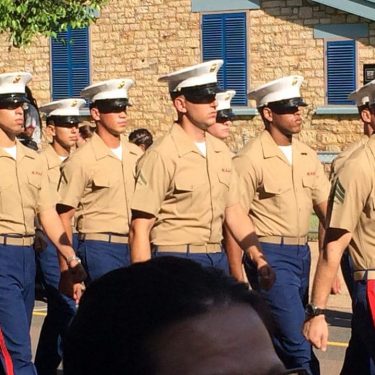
24,19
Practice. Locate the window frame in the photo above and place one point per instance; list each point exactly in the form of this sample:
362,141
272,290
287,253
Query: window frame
246,84
57,95
326,70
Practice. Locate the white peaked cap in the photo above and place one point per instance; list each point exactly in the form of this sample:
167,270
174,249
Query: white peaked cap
223,99
63,107
111,89
196,75
14,83
279,89
364,95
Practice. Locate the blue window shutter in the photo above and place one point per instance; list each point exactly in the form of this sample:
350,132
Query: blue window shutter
224,37
341,71
60,66
70,63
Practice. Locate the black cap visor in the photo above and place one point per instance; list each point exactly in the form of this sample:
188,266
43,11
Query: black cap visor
111,105
225,115
12,101
287,105
199,94
63,121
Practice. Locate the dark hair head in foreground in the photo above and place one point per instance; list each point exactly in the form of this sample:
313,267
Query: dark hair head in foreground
169,316
142,138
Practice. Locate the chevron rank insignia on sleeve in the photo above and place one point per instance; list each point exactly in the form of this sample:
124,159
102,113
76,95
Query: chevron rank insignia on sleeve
141,180
339,193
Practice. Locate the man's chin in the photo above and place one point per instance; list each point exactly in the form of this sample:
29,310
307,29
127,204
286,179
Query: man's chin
205,126
17,130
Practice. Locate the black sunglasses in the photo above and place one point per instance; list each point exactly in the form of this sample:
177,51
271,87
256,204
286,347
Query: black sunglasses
204,94
284,110
201,100
224,115
11,105
286,106
111,105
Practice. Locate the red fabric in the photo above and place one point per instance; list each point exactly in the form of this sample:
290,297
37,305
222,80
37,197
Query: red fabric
5,354
371,298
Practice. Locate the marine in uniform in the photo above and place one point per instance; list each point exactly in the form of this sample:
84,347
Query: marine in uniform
351,221
98,181
24,193
62,117
224,115
281,182
362,101
186,183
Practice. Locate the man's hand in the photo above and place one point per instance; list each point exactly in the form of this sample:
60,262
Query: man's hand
336,285
69,288
266,276
316,331
77,272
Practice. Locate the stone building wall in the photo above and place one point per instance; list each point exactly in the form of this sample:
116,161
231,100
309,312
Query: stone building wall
144,39
282,42
33,59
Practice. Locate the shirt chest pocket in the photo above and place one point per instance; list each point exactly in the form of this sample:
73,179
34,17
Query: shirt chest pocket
8,197
224,179
183,195
273,195
271,189
100,181
107,175
31,192
308,182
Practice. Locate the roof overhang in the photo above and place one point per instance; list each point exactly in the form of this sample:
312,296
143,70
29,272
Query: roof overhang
362,8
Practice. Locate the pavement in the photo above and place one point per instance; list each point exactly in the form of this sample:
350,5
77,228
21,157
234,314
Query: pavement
338,316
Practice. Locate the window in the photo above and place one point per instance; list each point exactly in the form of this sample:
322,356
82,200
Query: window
224,37
341,70
70,61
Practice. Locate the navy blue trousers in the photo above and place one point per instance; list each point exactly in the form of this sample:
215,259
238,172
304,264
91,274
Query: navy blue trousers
60,311
347,271
17,291
287,299
360,354
218,260
100,257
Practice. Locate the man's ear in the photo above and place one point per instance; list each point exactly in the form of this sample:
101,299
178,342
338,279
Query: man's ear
366,115
180,104
51,130
267,114
95,114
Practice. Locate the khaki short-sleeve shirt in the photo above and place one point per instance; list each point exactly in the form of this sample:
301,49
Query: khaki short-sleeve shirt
52,163
186,191
24,190
352,205
278,196
100,186
340,159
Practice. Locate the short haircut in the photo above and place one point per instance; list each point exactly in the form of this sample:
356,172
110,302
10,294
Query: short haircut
141,137
86,131
124,308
